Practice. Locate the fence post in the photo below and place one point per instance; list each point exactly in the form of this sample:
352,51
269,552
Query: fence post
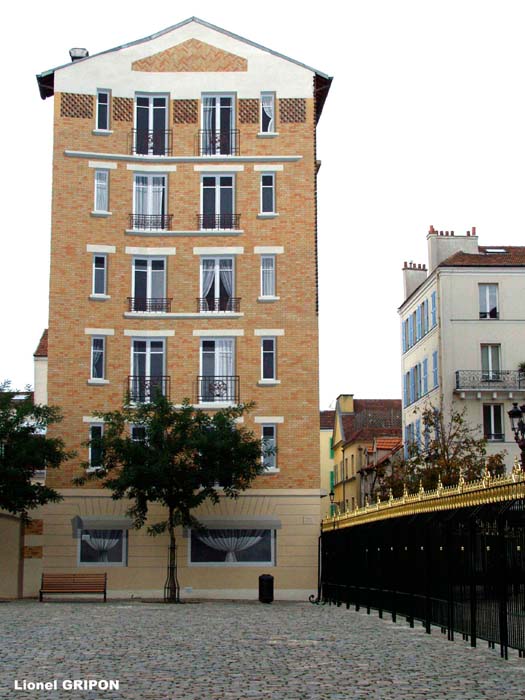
473,593
503,588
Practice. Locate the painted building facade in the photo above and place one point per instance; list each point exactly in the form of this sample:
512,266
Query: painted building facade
183,258
461,325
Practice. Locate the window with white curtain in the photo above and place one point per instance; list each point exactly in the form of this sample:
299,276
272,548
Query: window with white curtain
232,547
101,190
267,112
149,202
103,547
217,381
269,445
488,301
268,275
217,284
98,351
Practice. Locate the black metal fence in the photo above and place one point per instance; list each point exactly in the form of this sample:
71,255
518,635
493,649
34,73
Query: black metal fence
462,570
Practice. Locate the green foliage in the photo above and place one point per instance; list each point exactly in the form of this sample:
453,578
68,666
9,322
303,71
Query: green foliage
24,447
187,457
453,448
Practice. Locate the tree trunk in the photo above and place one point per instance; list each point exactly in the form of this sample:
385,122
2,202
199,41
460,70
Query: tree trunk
171,587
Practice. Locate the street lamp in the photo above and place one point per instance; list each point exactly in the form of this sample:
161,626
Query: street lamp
518,428
331,496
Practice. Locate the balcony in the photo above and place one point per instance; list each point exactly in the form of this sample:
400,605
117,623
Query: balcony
144,389
150,304
150,222
220,222
220,305
150,143
212,389
490,380
224,142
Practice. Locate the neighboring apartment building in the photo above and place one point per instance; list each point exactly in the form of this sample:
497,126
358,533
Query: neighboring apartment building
358,422
183,257
462,329
326,419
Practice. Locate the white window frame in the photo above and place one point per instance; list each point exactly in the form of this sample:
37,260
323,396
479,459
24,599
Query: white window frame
273,352
274,467
233,136
148,341
108,103
273,210
149,207
273,276
491,373
93,339
151,96
484,296
101,184
493,406
274,101
149,270
105,276
219,213
230,564
104,564
217,274
136,426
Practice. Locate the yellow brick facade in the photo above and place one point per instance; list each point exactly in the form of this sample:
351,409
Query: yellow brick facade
294,400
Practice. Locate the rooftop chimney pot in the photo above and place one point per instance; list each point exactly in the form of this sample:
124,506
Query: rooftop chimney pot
76,54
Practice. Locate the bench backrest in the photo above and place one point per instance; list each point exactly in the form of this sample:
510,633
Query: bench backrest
69,582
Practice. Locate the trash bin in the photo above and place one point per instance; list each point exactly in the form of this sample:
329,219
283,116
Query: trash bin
265,588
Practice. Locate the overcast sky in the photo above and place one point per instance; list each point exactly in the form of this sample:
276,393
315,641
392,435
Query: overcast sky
424,124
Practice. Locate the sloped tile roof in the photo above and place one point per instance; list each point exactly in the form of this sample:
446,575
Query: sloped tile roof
387,443
327,420
41,350
514,256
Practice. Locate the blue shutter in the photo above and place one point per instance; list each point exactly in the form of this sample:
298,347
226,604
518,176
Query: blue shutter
434,314
435,368
418,323
418,432
404,336
425,316
405,446
410,331
412,386
418,385
425,376
405,390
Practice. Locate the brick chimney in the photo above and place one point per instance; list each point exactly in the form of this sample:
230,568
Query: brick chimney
413,276
443,244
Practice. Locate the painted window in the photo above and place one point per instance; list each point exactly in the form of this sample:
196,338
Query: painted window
149,202
95,447
488,301
217,202
149,284
268,275
217,381
269,445
99,274
147,369
267,112
102,110
151,120
98,351
268,193
218,134
101,190
138,433
217,285
103,547
268,358
232,547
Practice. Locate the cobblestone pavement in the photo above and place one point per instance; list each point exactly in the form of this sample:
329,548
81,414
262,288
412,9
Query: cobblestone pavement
233,651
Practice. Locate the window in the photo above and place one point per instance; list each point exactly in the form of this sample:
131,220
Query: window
268,358
232,547
488,301
352,463
419,331
149,202
217,381
268,193
268,276
331,448
217,202
97,357
217,285
151,118
102,110
269,444
433,309
102,190
103,547
149,285
425,376
138,433
435,368
493,422
267,112
99,274
490,363
218,135
95,446
147,370
404,343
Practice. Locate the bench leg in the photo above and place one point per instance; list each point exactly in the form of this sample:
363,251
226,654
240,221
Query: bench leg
40,596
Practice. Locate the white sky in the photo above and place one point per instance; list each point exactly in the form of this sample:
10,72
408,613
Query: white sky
424,124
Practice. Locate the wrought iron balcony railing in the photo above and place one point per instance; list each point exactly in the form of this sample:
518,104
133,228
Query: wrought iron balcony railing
144,389
490,379
153,143
218,221
218,388
150,222
222,142
157,304
224,304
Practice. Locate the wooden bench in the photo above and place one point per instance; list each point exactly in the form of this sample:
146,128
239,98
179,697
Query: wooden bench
73,583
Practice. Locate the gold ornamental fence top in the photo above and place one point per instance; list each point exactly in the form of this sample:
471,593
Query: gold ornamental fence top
489,489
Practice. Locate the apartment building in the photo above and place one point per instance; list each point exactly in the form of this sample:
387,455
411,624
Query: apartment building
183,258
462,326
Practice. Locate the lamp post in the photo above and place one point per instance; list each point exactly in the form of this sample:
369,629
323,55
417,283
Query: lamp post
331,495
518,428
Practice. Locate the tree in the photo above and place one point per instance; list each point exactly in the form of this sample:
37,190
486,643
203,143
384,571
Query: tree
447,449
178,457
24,448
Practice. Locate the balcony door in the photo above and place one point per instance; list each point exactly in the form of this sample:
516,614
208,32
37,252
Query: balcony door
149,284
216,284
217,202
147,369
149,202
490,363
217,135
217,381
151,118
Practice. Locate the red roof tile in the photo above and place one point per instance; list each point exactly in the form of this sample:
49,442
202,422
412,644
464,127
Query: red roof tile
327,419
41,350
387,443
514,256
